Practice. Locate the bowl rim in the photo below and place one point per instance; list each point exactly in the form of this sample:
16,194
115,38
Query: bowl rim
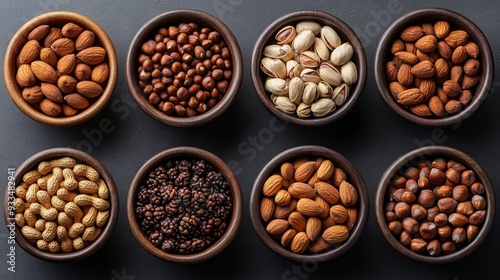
487,64
10,70
81,157
345,32
178,16
355,178
236,215
414,156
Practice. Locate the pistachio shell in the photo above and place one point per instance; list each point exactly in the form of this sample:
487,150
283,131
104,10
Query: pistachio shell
295,90
286,35
303,41
284,104
330,37
287,53
342,54
309,59
325,89
340,94
349,73
272,51
308,25
303,110
322,107
321,49
277,86
310,75
310,93
330,74
275,68
293,68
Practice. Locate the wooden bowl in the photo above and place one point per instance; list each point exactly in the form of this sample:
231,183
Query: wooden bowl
59,18
203,19
234,222
353,177
457,21
346,34
81,157
413,158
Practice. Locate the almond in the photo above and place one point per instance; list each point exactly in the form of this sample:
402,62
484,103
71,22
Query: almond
301,190
89,89
25,76
424,69
421,110
396,88
472,67
405,76
44,72
304,171
410,97
283,212
472,49
286,170
427,43
338,213
52,36
327,221
456,38
29,52
453,106
63,46
71,30
348,194
84,40
325,170
427,88
441,95
469,82
313,179
66,64
451,88
459,55
52,92
352,217
277,226
407,57
76,101
324,206
456,73
309,207
441,29
328,192
412,34
297,221
336,234
410,47
50,108
338,176
272,185
32,94
83,72
444,50
319,246
67,84
391,71
266,208
300,243
313,228
397,46
283,198
428,28
465,97
39,32
68,111
287,237
92,55
100,73
442,68
48,56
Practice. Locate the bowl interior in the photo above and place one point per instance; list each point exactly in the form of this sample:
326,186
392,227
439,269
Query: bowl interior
30,164
58,18
457,21
236,215
346,34
147,32
353,176
413,158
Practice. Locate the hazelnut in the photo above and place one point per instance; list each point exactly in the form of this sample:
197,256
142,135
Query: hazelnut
424,172
405,239
465,208
389,207
408,197
444,231
399,182
472,232
395,228
412,173
426,198
428,230
457,166
398,194
436,176
444,191
458,235
411,186
452,175
477,188
447,205
402,210
410,225
434,248
441,219
478,202
468,178
460,193
439,163
458,220
477,217
423,183
418,212
418,245
431,213
448,247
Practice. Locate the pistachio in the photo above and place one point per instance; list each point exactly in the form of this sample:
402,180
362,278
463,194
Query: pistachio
349,73
286,35
325,90
310,93
322,107
321,49
303,110
275,68
303,41
295,90
330,74
310,75
285,105
330,37
309,59
342,54
308,25
293,68
277,86
340,94
272,51
286,52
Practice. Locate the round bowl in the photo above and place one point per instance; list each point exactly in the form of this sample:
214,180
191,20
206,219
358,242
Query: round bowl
81,157
59,18
413,158
457,21
352,176
345,33
234,221
175,17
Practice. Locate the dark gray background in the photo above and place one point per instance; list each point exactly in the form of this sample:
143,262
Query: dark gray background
371,136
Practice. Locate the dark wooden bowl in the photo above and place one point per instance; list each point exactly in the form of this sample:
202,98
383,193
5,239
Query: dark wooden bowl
456,20
175,17
353,176
81,157
236,215
345,33
413,157
58,18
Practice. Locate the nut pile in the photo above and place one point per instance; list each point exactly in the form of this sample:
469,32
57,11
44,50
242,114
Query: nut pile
309,70
184,206
62,206
61,70
436,207
308,206
185,70
434,69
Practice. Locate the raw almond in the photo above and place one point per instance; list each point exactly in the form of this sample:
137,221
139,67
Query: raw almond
272,185
300,243
453,106
465,97
71,30
472,49
83,72
282,212
441,29
50,108
442,68
459,55
421,110
407,57
48,56
68,111
100,73
444,50
328,192
424,69
67,84
44,72
277,226
52,36
391,70
286,170
301,190
397,46
412,33
451,88
336,234
304,171
396,88
282,198
338,176
287,237
66,64
441,95
327,221
319,246
471,67
456,38
405,77
324,205
338,213
39,32
352,217
427,43
313,228
348,194
325,170
309,207
89,89
63,46
29,52
469,82
25,76
76,101
84,40
410,97
266,208
428,28
297,221
456,73
32,94
92,55
52,92
427,87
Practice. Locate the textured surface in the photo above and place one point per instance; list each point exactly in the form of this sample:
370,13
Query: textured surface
123,137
